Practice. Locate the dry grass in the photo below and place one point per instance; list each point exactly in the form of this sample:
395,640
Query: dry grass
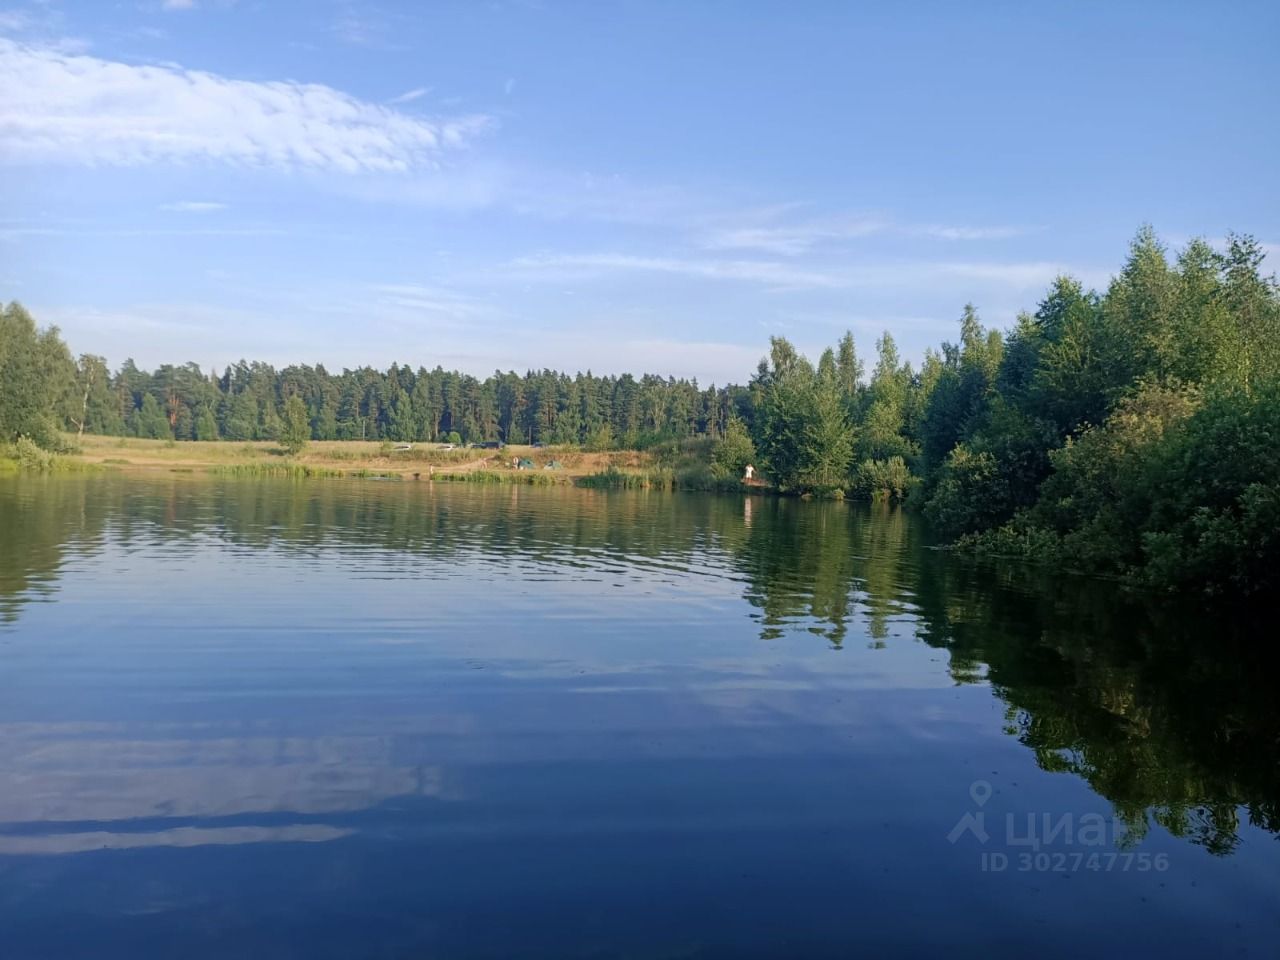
345,457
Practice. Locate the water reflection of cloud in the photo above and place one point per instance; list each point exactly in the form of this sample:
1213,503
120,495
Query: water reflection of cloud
86,842
52,777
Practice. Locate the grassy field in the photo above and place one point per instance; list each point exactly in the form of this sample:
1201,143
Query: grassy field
358,458
673,465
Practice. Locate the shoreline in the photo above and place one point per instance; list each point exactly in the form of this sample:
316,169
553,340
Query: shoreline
423,462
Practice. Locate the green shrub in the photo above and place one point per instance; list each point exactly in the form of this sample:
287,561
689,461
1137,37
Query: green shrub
291,471
1030,544
961,497
615,479
31,456
889,479
734,451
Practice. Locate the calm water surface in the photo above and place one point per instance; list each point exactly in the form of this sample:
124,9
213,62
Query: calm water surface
360,719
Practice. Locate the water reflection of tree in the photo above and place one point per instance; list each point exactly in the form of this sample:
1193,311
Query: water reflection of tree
819,567
1171,720
1162,712
42,524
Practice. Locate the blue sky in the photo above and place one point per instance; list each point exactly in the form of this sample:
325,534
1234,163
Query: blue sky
643,186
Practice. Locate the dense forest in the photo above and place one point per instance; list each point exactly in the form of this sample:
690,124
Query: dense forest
1132,432
47,392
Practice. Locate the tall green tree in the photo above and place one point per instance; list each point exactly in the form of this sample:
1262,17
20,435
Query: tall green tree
149,420
36,375
295,429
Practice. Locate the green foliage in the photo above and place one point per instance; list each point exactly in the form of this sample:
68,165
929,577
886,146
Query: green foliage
26,455
803,431
1209,497
1014,541
36,373
994,473
149,420
601,439
964,386
967,483
32,457
292,471
889,479
615,479
527,478
296,428
733,451
206,425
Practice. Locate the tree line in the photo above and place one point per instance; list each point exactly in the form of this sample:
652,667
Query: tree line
1133,431
46,392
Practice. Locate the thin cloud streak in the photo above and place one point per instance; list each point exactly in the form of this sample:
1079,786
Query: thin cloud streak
1013,275
561,266
795,239
193,206
417,93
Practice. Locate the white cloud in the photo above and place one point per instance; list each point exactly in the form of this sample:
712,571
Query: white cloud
178,4
59,108
409,96
193,206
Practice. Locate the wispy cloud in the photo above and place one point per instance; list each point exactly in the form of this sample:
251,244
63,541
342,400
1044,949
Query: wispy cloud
59,108
769,231
178,5
432,300
417,93
193,206
364,25
756,271
792,239
15,234
43,23
1015,276
966,233
14,21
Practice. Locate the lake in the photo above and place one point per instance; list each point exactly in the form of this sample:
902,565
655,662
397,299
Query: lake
372,719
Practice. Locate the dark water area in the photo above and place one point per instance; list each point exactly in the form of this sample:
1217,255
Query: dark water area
370,719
